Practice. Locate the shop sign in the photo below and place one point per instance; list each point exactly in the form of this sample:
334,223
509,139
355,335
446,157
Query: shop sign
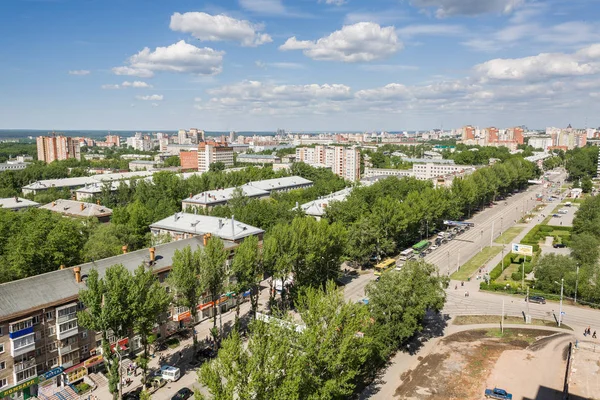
19,387
90,362
51,374
182,316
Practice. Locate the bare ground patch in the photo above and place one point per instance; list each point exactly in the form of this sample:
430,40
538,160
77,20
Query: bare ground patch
460,365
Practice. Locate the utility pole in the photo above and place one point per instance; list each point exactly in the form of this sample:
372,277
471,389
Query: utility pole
481,241
492,235
527,300
576,282
523,275
448,269
562,285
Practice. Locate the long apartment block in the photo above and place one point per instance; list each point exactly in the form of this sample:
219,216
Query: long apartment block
41,342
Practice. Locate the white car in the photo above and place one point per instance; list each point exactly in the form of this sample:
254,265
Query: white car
433,247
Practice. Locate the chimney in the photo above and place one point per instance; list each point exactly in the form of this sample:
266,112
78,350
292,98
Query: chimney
124,248
191,195
152,254
82,206
77,271
62,266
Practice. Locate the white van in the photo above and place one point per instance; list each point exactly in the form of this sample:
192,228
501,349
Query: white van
563,211
169,373
407,255
568,204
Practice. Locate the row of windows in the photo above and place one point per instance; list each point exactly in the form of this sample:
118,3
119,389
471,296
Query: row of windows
68,326
23,342
19,326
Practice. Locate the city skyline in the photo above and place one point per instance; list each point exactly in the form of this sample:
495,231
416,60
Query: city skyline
315,65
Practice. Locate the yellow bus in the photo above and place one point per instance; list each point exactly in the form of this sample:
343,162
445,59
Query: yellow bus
384,266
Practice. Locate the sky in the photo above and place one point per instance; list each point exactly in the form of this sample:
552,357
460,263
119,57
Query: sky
299,65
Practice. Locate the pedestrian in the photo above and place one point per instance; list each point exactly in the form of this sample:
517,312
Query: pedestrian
594,335
589,330
585,332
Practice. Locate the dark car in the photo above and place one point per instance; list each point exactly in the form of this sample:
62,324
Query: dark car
560,246
537,299
183,394
206,353
135,395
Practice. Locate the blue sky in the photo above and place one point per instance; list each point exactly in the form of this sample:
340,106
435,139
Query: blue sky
327,65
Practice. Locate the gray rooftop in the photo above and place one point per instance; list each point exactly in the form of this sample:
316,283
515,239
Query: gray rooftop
280,183
84,180
225,228
73,208
258,156
19,298
223,195
427,161
316,208
15,203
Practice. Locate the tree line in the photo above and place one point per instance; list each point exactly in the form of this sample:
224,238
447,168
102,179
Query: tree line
585,254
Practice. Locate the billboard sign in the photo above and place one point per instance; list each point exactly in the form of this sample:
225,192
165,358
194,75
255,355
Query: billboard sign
523,249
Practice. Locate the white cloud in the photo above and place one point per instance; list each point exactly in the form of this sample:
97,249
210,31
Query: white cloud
179,57
264,6
208,27
333,2
282,65
153,97
136,84
80,72
110,87
154,104
541,67
142,73
447,8
364,41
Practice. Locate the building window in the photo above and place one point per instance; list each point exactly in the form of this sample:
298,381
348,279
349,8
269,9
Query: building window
23,342
35,320
19,326
38,352
53,362
1,348
68,326
2,365
85,349
1,330
67,311
51,347
49,315
84,335
26,374
3,382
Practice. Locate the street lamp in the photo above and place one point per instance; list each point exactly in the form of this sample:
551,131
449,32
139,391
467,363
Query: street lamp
562,285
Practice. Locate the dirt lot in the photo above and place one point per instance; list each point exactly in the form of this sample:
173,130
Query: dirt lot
528,363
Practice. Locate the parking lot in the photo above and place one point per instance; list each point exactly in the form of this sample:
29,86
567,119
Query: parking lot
565,219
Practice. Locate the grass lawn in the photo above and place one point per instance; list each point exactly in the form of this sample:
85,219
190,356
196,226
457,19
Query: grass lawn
173,343
509,235
467,270
506,274
493,319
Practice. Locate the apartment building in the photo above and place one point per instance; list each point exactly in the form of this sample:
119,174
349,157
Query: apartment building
189,159
253,190
142,165
140,142
184,225
431,170
79,209
52,148
17,203
42,346
258,159
343,161
213,152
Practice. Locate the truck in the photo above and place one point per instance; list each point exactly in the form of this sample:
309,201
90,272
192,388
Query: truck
497,393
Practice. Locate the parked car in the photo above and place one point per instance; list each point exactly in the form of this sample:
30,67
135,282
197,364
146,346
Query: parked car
205,353
156,382
183,394
433,247
559,245
438,241
537,299
422,255
497,393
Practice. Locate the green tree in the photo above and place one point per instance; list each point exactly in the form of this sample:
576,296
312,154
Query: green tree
173,161
246,270
213,272
587,185
149,300
107,301
185,278
217,166
106,241
399,301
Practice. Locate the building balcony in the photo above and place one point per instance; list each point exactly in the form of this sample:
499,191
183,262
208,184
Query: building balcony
68,349
23,346
67,333
66,318
68,364
23,365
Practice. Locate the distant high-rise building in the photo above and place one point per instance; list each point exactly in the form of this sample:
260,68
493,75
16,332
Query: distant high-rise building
52,148
113,140
212,152
231,137
343,161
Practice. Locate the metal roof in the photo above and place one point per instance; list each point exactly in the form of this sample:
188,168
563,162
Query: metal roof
15,203
223,195
287,182
73,208
22,297
225,228
316,208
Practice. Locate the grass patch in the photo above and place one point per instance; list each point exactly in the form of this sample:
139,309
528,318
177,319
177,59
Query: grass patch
493,319
477,261
173,343
509,235
508,271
